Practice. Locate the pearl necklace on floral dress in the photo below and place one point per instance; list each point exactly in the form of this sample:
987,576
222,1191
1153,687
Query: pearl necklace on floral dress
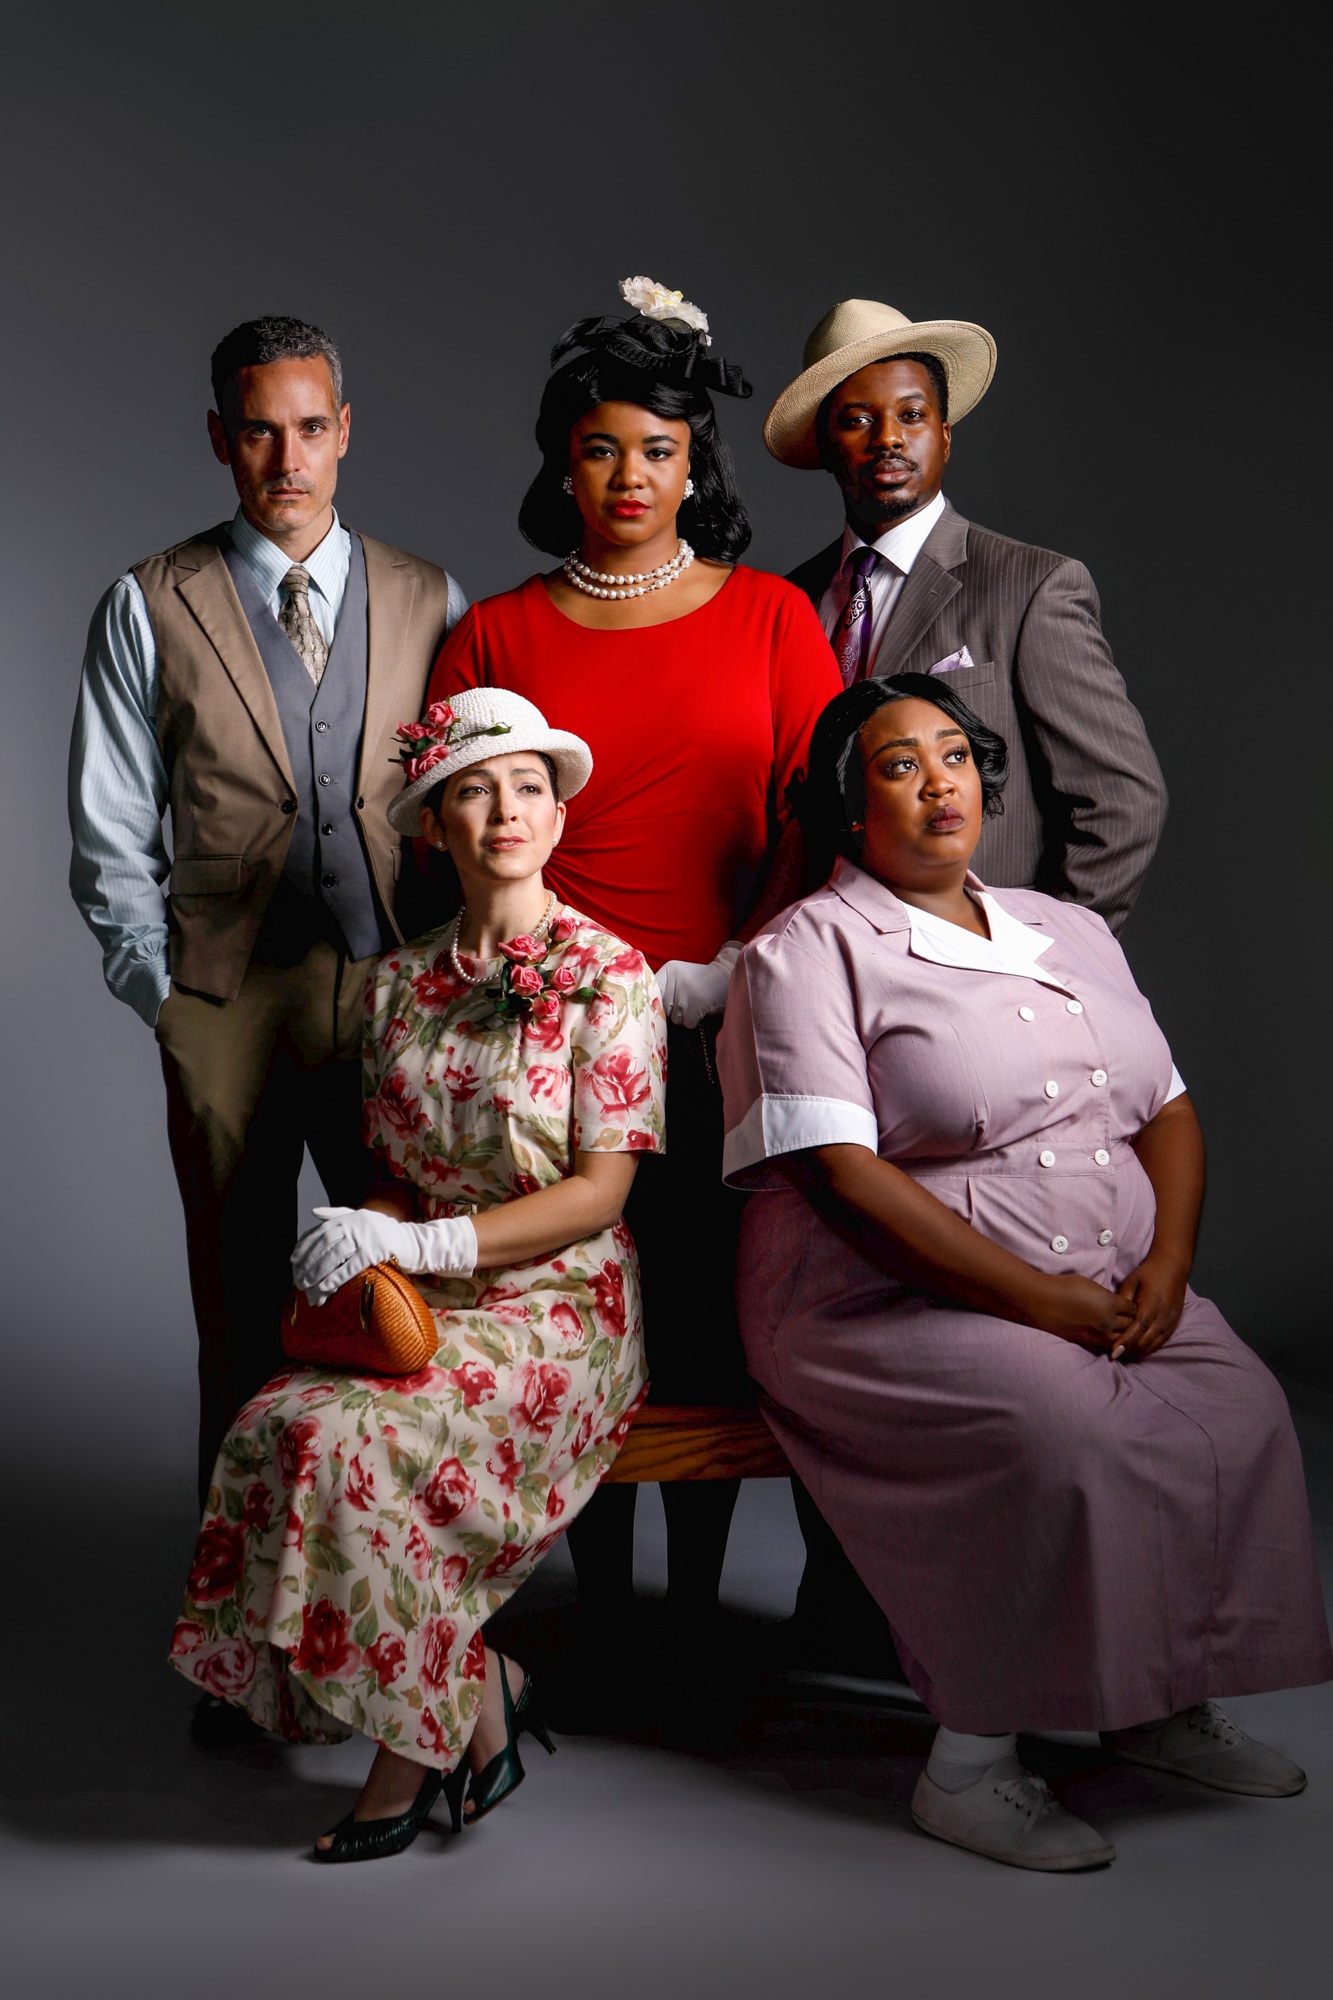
470,979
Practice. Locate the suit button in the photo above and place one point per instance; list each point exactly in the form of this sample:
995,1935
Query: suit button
329,881
1098,1077
1105,1238
327,828
1073,1006
1052,1088
289,805
1060,1244
1026,1014
324,778
323,728
1102,1157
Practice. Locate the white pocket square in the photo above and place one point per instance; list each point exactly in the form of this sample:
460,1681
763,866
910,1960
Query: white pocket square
950,665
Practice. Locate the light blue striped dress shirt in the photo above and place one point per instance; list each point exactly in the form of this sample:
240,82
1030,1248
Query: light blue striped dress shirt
118,784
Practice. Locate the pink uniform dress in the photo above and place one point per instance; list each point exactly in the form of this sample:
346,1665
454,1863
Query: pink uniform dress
1058,1541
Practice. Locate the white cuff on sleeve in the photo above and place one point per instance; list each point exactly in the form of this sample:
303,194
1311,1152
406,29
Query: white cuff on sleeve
776,1125
1178,1085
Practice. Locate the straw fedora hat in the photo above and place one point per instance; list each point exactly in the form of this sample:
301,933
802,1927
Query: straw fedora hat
857,332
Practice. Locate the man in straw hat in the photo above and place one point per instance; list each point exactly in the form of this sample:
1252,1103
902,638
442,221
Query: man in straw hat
910,586
248,682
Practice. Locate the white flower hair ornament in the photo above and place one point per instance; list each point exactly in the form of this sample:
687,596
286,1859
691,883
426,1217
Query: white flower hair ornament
656,301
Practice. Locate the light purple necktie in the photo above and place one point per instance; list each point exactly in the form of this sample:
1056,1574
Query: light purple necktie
851,635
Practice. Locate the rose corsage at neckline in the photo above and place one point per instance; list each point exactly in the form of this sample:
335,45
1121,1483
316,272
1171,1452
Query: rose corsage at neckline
530,987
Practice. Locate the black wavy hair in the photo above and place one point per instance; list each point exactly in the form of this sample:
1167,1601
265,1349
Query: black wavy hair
832,795
662,366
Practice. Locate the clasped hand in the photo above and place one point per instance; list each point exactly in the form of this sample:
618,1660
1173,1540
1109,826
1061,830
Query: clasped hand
1130,1323
346,1241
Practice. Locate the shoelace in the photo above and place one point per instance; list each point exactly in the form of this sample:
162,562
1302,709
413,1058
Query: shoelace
1027,1793
1209,1720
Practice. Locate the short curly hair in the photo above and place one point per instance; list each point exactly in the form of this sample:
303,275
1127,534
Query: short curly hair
828,800
275,337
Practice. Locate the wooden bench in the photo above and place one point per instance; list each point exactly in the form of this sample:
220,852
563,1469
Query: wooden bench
670,1441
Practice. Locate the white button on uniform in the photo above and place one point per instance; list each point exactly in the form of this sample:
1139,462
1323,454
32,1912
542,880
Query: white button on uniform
1026,1014
1106,1237
1098,1076
1060,1243
1047,1159
1052,1089
1102,1157
1073,1006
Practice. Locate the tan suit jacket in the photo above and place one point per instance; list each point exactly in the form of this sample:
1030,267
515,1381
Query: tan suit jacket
1085,802
233,794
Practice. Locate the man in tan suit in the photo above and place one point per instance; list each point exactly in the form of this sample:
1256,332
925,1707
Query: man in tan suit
911,587
249,682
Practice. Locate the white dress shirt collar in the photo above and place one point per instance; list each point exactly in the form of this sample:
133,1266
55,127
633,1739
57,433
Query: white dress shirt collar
327,565
902,543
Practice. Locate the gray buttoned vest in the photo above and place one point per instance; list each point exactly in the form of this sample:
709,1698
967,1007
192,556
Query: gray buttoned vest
326,875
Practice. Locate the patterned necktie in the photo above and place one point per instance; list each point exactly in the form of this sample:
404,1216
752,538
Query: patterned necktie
851,636
298,622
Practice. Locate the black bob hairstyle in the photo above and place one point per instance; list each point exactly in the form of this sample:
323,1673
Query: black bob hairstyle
832,795
662,366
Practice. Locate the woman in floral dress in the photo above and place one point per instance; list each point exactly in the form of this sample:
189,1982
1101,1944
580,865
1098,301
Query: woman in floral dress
360,1530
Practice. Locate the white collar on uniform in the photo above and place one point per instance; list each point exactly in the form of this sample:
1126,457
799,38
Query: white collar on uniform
900,544
1011,947
328,564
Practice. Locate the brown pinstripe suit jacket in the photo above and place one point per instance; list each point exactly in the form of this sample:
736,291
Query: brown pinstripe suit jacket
1085,802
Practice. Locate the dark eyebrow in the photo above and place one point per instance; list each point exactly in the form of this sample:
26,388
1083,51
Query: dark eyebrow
914,742
609,437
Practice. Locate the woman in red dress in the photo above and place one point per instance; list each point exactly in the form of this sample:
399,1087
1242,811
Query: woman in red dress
696,682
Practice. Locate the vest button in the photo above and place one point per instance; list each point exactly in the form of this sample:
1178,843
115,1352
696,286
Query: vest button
327,828
322,727
289,805
324,778
329,881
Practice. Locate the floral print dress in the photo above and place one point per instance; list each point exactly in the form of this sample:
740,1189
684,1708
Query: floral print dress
359,1530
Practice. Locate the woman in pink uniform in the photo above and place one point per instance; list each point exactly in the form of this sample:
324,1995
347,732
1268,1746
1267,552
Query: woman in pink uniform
1072,1489
696,682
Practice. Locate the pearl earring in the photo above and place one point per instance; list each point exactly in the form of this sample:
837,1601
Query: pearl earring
689,489
568,484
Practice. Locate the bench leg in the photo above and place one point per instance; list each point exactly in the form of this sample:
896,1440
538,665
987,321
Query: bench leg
601,1543
698,1521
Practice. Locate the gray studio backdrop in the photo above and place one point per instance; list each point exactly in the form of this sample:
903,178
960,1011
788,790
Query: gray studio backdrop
445,191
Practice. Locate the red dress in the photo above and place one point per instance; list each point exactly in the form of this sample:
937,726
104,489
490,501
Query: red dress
696,727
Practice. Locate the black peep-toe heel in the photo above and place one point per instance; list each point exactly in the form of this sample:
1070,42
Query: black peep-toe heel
375,1839
504,1774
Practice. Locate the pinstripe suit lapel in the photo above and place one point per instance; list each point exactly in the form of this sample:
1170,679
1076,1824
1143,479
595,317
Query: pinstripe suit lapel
932,583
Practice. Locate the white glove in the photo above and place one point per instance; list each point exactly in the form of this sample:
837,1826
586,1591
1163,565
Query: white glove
689,992
347,1240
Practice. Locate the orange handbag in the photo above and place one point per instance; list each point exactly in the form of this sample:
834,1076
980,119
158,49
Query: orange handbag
376,1324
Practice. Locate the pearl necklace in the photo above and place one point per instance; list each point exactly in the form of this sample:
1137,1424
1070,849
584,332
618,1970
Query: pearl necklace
602,583
471,979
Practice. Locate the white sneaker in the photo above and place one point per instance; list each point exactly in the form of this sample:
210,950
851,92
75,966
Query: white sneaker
1203,1744
1010,1815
